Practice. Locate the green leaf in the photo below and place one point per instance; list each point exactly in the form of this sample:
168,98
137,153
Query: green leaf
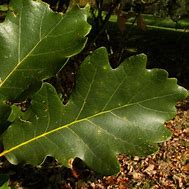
5,110
110,112
3,181
4,7
36,42
5,186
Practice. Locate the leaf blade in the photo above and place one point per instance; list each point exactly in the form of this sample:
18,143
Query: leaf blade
36,43
97,130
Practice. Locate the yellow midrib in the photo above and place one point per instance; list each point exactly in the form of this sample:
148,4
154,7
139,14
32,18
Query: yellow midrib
57,129
77,121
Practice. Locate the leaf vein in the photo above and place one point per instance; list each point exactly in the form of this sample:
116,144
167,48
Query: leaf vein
87,94
110,98
87,146
151,109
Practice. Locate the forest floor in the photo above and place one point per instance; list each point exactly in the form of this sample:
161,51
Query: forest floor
166,169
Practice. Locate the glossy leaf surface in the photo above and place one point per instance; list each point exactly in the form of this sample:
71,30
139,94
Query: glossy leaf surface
5,110
36,42
110,112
